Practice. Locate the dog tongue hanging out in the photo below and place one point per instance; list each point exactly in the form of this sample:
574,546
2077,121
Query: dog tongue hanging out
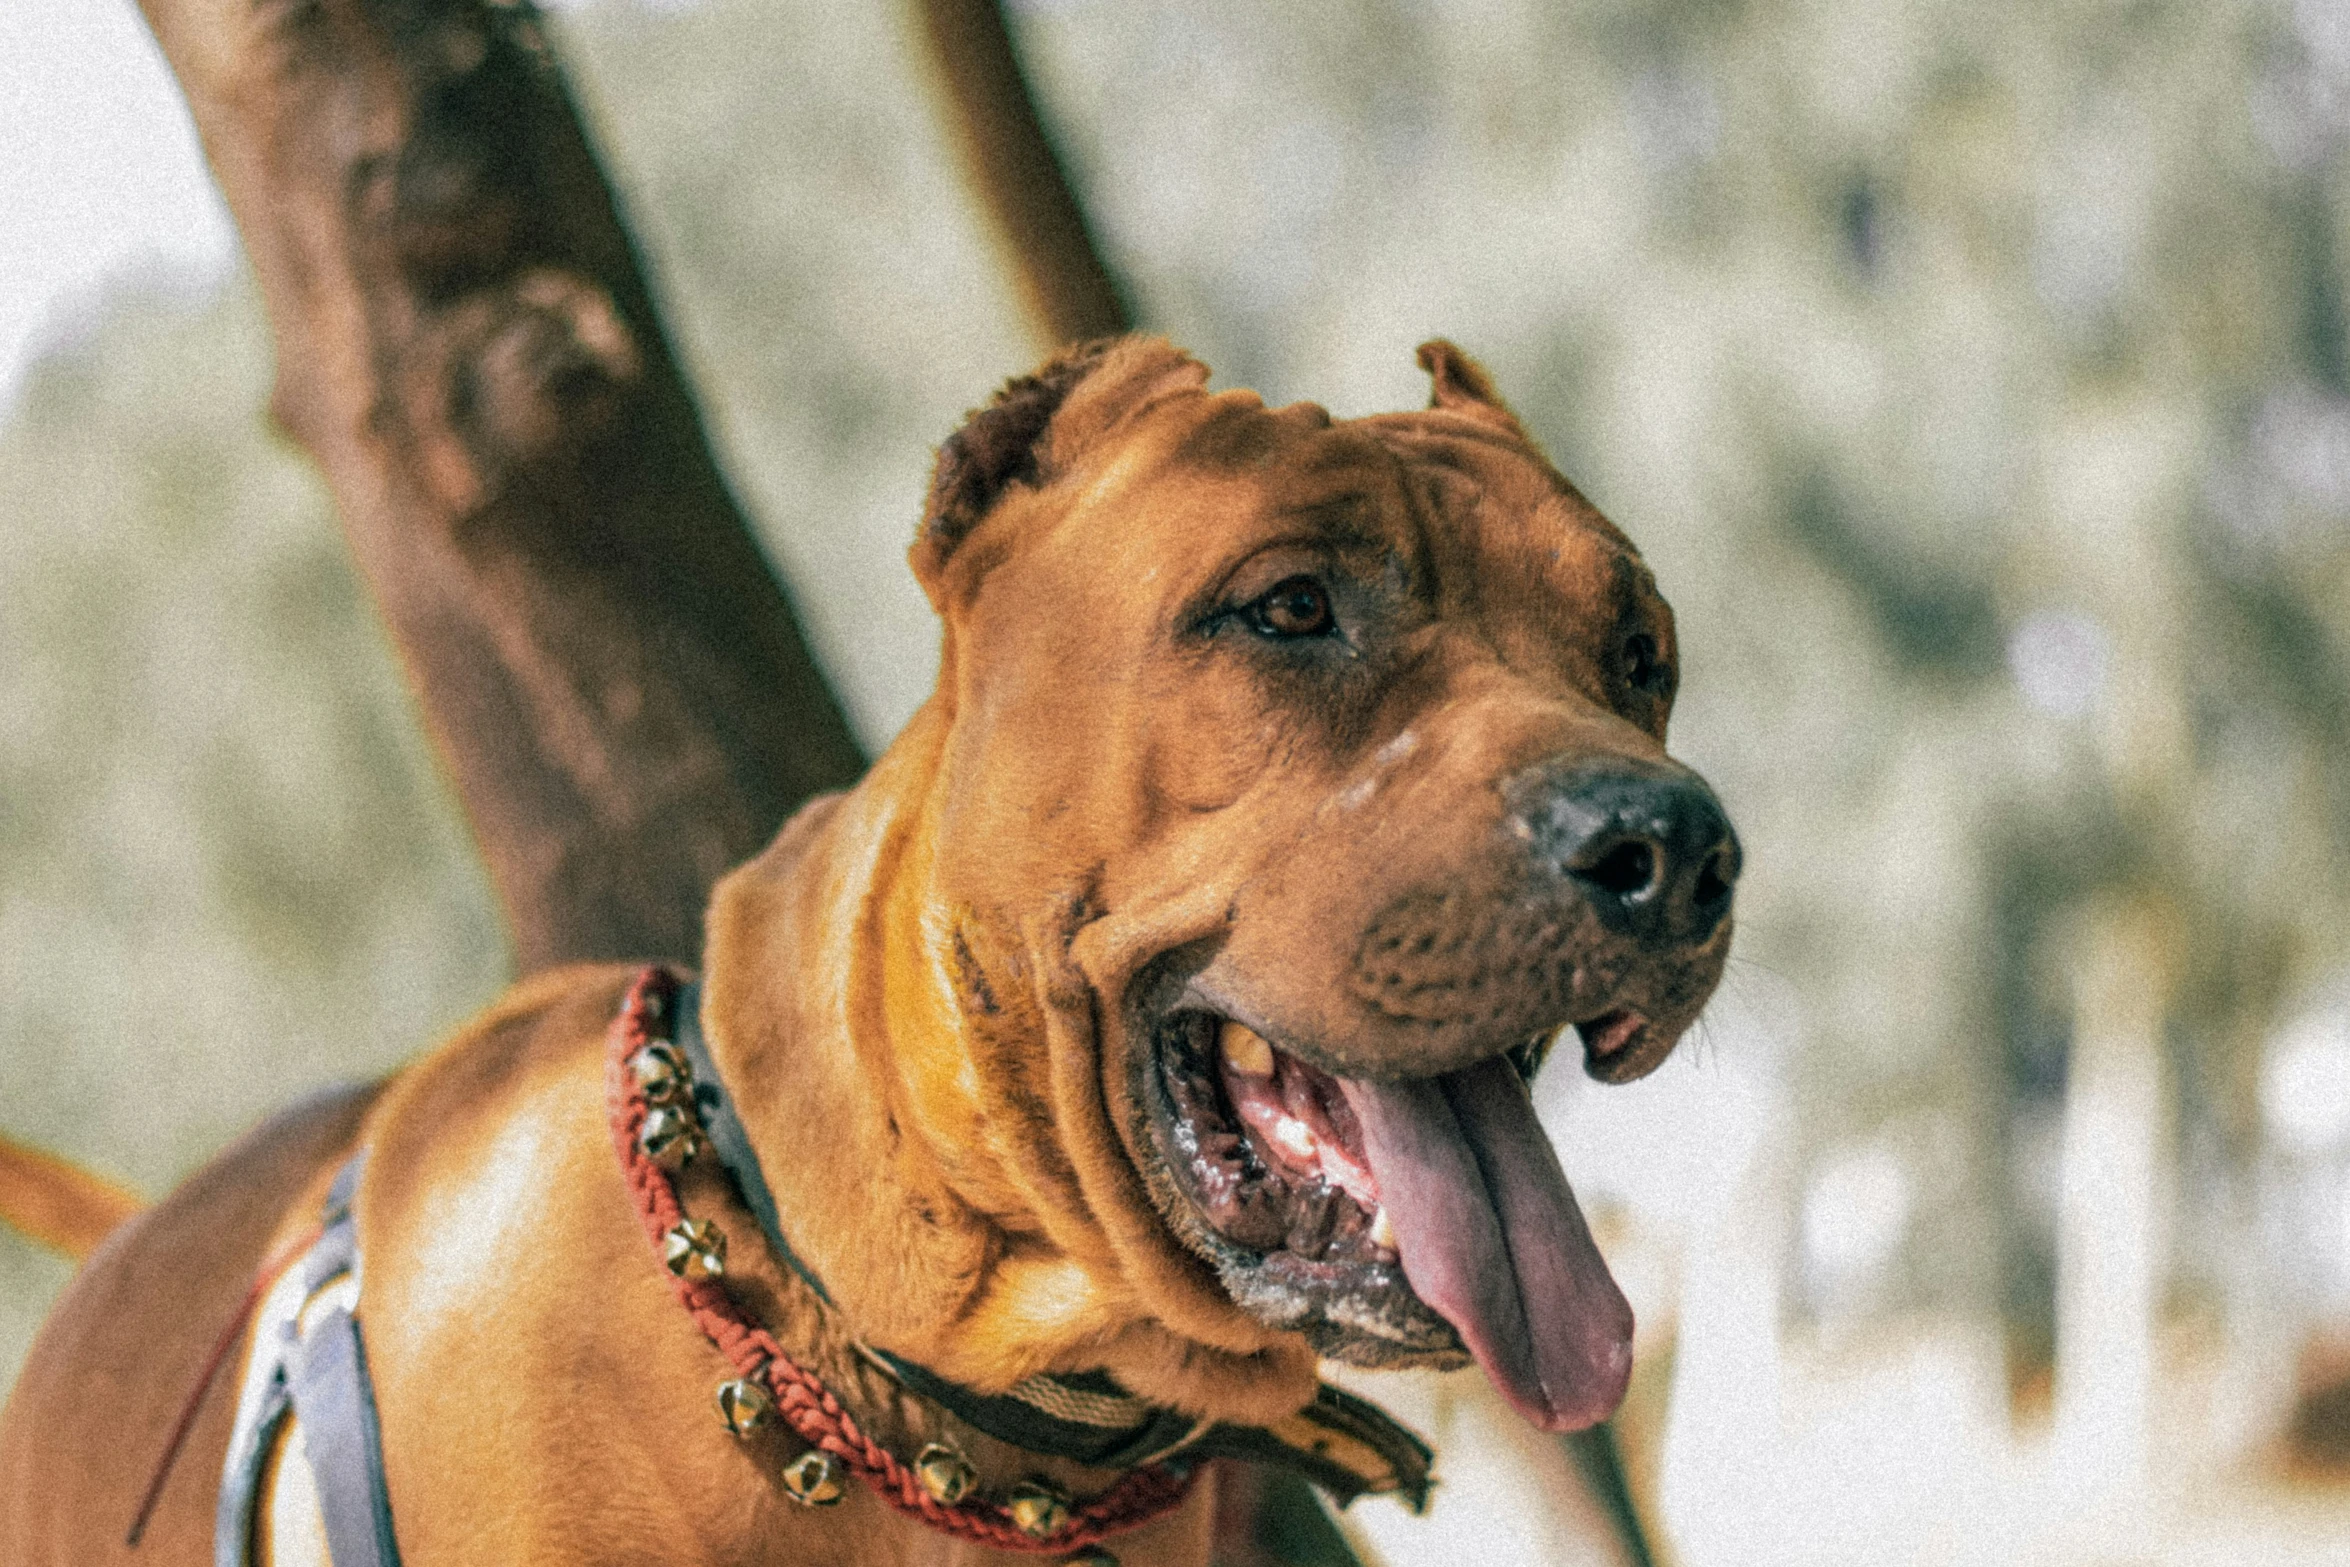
1464,1191
1290,784
1153,1021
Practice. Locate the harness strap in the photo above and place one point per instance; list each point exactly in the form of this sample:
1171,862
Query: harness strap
336,1405
310,1362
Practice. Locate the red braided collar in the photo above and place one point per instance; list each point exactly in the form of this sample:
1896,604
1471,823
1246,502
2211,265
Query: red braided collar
801,1398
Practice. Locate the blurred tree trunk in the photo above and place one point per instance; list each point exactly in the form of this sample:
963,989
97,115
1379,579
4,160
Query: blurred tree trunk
465,342
609,668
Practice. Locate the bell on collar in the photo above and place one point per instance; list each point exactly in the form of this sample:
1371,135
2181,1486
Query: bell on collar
661,1072
695,1249
814,1479
744,1404
946,1474
1039,1507
669,1136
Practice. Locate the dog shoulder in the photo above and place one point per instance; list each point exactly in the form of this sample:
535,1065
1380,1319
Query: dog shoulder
494,1228
527,1070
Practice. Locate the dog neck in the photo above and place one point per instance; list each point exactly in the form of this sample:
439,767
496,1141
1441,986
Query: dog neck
920,1159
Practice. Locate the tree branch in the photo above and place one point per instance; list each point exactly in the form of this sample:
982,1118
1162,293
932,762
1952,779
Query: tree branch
466,344
1063,281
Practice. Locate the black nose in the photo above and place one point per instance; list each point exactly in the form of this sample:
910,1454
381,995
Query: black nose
1646,845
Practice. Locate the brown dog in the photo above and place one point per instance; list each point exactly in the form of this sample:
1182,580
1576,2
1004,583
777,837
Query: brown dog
1159,1005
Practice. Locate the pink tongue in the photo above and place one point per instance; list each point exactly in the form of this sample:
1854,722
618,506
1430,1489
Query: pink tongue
1492,1240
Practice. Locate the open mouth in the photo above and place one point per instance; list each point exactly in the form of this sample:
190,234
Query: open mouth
1421,1222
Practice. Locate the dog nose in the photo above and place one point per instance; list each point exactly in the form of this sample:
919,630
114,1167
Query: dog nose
1647,847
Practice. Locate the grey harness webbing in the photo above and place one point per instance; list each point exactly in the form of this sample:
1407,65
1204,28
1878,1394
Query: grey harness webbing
309,1362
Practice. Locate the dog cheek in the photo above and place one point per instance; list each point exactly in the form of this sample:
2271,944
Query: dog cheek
1010,1047
1212,740
1093,1118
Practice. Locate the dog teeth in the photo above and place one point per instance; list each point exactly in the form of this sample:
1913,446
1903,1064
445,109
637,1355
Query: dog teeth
1297,1139
1246,1052
1382,1229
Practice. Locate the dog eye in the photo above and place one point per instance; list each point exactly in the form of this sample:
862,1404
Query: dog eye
1645,667
1296,607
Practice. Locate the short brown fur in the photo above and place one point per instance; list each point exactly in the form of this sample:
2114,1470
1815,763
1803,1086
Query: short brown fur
921,997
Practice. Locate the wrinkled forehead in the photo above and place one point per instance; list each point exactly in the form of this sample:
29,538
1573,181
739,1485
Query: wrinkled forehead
1210,474
1487,483
1227,453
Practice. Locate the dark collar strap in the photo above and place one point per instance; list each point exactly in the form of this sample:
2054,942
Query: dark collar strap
1348,1446
1344,1444
1025,1417
714,1108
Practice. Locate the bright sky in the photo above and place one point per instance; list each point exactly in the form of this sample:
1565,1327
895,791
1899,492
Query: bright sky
100,176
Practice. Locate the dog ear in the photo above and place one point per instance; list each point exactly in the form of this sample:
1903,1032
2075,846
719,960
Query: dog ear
1033,429
999,446
1458,384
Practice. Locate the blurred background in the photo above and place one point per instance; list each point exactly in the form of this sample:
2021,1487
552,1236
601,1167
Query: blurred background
1976,377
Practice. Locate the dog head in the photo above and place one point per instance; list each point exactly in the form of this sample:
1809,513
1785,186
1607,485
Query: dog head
1290,784
1342,745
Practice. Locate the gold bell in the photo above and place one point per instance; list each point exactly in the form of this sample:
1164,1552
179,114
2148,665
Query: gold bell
695,1249
946,1474
1039,1508
669,1136
814,1479
744,1404
662,1074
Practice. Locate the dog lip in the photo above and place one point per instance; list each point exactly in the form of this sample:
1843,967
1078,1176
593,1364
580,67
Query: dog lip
1198,998
1612,1034
1218,1009
1613,1038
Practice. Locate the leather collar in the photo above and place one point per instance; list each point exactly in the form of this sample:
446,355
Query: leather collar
1342,1443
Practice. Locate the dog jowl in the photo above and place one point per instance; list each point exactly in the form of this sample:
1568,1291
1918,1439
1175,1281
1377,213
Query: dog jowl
1338,749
